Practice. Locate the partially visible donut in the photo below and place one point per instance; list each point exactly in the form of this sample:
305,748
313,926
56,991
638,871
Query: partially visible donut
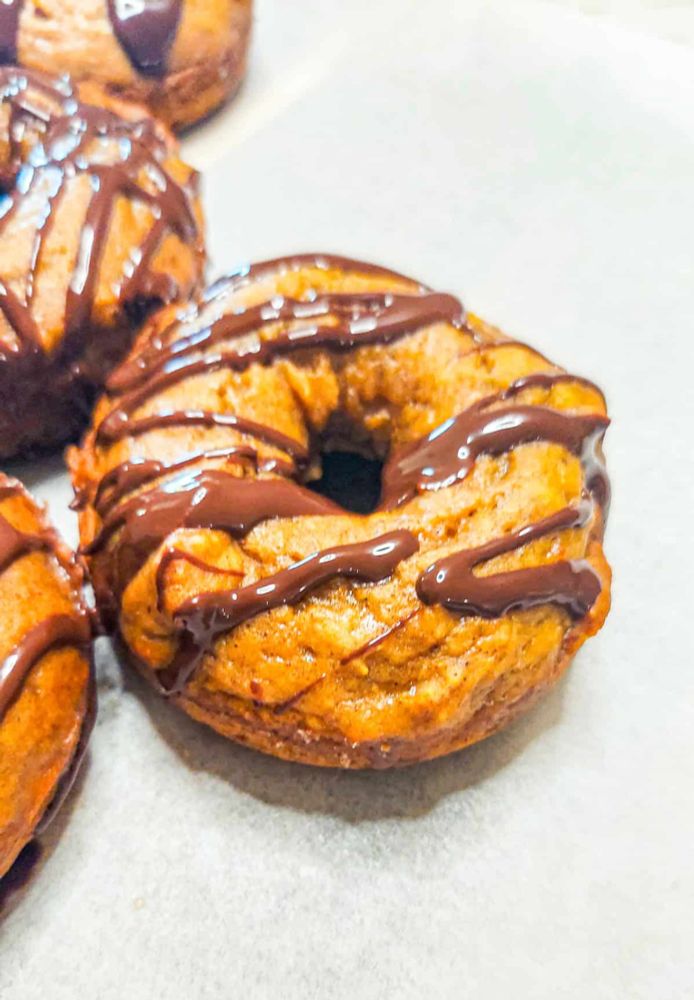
283,620
100,222
47,693
180,57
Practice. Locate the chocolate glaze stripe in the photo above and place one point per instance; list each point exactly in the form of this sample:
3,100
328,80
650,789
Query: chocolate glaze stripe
356,319
115,428
211,499
446,455
54,632
205,617
146,32
132,475
572,584
142,152
162,341
9,29
14,544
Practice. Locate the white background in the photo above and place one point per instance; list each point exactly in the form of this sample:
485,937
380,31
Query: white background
540,162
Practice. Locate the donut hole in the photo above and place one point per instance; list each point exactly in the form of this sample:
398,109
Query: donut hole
350,480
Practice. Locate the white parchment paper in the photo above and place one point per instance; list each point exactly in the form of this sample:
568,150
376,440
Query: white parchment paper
541,164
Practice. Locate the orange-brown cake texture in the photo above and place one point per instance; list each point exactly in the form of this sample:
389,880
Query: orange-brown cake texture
100,223
47,698
298,627
180,57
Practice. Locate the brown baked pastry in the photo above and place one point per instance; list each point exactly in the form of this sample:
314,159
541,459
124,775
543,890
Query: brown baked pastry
181,57
47,696
281,619
99,223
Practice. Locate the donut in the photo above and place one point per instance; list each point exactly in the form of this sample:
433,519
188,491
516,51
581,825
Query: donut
99,224
275,613
180,57
47,692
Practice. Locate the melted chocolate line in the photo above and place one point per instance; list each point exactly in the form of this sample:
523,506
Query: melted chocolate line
14,544
116,426
211,499
146,32
54,632
572,584
368,647
205,617
542,380
132,475
447,454
178,555
9,29
358,319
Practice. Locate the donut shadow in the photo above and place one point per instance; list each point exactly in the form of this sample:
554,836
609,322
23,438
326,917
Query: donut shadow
352,796
35,856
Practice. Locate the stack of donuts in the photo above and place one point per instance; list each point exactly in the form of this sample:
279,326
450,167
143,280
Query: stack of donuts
286,613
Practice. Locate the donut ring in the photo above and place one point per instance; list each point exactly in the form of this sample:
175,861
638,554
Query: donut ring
290,624
180,57
99,223
47,691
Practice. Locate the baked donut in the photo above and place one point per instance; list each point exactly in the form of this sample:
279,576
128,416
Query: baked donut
289,623
99,223
180,57
47,693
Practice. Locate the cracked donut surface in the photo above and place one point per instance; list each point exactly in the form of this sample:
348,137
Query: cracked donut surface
47,694
289,623
99,223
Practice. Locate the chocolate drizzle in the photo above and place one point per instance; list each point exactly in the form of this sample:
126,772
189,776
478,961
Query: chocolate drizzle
73,140
209,499
447,454
146,32
131,476
205,617
356,319
9,29
572,584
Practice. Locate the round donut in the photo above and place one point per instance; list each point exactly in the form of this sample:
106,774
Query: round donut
282,619
100,223
180,57
47,691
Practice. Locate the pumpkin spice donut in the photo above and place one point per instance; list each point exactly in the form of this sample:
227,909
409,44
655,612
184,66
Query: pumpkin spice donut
47,693
294,625
180,57
99,224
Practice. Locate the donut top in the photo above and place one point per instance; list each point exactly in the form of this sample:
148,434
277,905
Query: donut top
57,630
53,138
145,31
215,499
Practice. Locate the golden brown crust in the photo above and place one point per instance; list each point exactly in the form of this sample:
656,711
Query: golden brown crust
41,728
291,681
49,378
206,64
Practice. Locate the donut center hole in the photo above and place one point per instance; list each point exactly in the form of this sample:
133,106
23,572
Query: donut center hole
350,480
